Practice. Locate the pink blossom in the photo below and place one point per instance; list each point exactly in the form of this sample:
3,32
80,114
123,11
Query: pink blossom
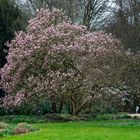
49,58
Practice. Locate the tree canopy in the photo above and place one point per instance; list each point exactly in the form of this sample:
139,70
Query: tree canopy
61,62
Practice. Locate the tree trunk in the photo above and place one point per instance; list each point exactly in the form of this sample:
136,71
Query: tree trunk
78,110
54,108
74,104
61,105
75,108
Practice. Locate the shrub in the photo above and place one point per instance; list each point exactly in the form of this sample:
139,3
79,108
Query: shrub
65,118
22,118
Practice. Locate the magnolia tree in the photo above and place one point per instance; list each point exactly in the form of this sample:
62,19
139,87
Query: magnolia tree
61,62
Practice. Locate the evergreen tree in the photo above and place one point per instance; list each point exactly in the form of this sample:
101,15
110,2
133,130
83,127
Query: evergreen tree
11,20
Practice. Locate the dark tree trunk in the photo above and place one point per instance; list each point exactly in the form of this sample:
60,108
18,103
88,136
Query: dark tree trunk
54,108
61,105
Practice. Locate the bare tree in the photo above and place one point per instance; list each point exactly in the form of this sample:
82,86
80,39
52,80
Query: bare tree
70,7
91,13
94,12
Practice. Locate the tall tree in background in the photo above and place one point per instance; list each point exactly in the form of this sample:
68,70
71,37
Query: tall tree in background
125,23
71,7
11,20
94,13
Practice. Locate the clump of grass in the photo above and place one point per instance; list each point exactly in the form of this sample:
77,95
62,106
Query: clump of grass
20,128
3,125
5,129
23,128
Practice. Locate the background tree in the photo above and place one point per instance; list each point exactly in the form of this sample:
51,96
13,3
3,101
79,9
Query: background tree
91,13
131,78
95,13
11,20
125,23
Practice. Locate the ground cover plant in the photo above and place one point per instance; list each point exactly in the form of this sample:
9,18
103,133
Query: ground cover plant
12,129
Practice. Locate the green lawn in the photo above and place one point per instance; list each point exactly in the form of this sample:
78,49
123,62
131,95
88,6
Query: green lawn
95,130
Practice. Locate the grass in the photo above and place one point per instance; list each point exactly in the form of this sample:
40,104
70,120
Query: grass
94,130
